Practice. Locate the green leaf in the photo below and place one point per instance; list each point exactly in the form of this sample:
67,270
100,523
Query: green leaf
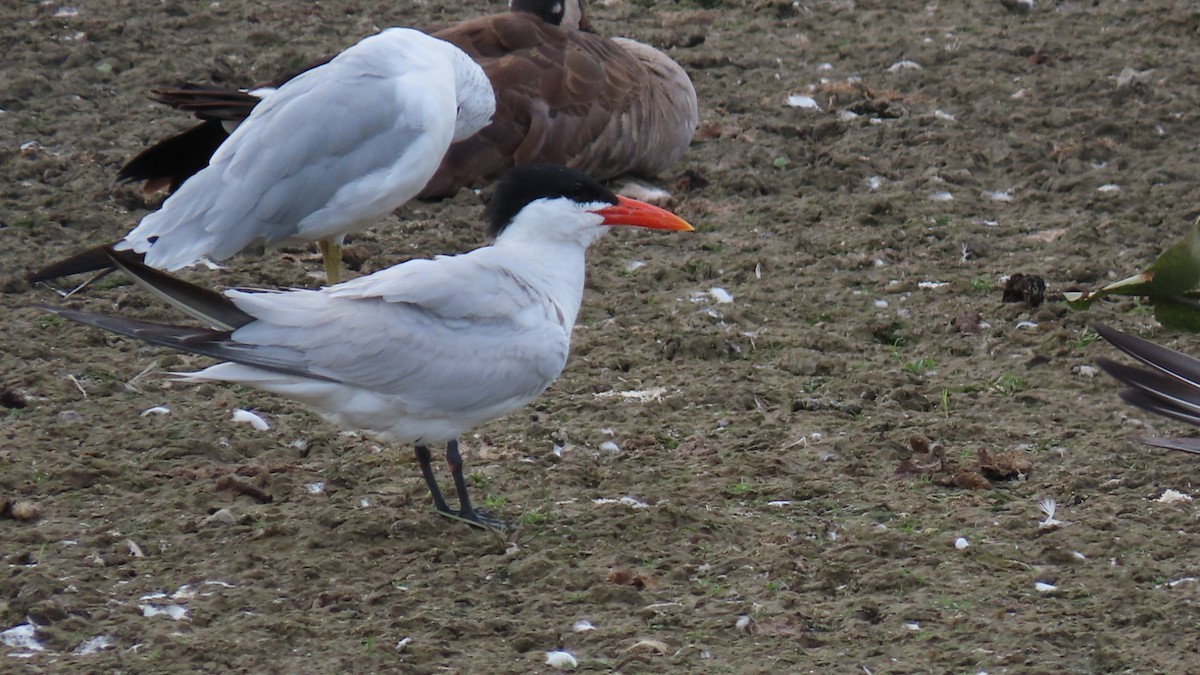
1178,313
1171,284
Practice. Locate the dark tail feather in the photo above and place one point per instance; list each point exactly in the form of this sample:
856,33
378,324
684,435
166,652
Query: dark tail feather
1166,361
207,103
91,260
177,337
1191,445
170,162
1169,387
203,341
1154,391
201,303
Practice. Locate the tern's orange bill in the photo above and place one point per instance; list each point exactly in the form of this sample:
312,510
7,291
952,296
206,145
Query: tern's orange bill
640,214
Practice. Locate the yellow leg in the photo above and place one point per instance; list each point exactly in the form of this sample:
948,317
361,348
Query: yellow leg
331,254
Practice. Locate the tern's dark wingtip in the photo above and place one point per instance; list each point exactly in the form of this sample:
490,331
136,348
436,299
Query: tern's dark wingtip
94,259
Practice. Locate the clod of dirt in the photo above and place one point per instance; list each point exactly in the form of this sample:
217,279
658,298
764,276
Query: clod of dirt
243,488
1006,465
968,479
690,180
814,404
1018,6
357,254
220,517
968,322
23,511
13,400
1027,288
623,576
928,458
649,646
13,284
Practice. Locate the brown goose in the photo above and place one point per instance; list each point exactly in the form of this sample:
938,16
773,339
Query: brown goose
564,95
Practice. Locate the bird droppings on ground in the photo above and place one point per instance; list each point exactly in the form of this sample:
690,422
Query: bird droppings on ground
804,102
1172,496
720,295
23,639
94,645
625,501
255,420
174,605
636,395
648,194
561,659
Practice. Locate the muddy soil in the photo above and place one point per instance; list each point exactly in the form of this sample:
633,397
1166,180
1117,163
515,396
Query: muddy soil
766,479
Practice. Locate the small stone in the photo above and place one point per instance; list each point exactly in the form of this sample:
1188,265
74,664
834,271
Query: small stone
25,511
221,517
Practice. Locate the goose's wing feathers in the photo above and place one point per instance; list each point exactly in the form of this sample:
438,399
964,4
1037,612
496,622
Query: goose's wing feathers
211,103
566,97
168,163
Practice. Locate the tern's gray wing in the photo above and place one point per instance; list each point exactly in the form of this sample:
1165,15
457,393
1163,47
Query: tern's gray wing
498,342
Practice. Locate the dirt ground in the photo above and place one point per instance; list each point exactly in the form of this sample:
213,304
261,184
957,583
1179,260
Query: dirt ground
744,483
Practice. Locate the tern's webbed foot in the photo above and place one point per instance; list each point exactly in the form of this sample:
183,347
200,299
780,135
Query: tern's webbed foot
466,512
477,519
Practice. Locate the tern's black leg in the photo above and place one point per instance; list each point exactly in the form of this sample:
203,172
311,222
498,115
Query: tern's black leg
424,459
466,511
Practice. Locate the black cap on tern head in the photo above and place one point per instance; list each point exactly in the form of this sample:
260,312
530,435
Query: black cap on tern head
524,184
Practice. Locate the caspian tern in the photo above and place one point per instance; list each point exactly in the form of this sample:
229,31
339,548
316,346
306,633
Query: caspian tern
328,153
423,351
1170,387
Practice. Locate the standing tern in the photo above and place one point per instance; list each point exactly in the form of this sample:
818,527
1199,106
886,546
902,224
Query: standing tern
1169,387
328,153
423,351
